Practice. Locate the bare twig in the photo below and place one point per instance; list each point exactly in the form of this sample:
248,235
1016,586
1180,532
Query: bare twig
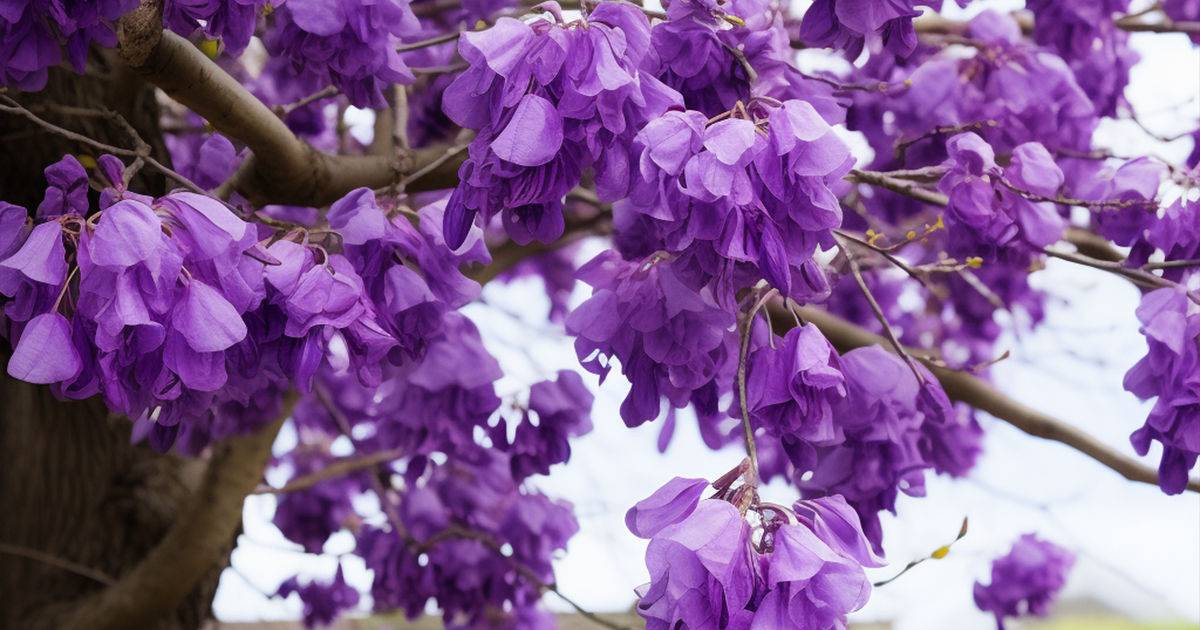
888,182
10,106
55,561
337,468
883,321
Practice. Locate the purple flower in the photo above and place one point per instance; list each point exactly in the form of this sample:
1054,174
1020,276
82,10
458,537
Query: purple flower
34,32
1171,372
44,352
668,505
985,217
701,573
736,203
68,189
1026,581
850,24
709,569
323,602
549,100
895,427
351,44
562,409
792,389
309,517
670,339
232,21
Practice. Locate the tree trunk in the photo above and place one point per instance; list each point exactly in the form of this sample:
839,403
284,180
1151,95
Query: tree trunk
72,486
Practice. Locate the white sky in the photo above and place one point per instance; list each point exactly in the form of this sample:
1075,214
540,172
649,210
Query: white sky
1139,550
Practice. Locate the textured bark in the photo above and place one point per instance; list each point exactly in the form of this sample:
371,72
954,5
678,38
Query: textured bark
71,484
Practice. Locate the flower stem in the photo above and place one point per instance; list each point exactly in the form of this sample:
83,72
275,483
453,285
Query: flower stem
743,354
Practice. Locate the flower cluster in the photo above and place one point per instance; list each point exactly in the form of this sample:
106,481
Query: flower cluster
33,34
1170,371
849,25
672,340
1084,35
179,316
460,519
988,215
892,428
231,21
349,44
549,99
558,410
741,199
710,569
1026,581
323,603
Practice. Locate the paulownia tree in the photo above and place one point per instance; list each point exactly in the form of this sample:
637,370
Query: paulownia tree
194,250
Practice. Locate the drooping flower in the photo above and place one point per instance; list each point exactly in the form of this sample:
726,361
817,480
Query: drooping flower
549,100
710,569
793,388
895,427
34,34
350,44
231,21
740,199
1170,371
563,408
671,340
324,602
1025,581
986,218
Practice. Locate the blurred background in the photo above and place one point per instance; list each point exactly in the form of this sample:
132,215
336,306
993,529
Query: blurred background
1138,550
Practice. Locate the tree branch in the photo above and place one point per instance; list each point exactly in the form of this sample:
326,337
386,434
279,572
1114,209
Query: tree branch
283,168
157,585
980,394
337,468
55,561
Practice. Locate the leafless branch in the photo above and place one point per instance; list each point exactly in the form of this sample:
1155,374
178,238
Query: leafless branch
283,168
337,468
980,394
55,561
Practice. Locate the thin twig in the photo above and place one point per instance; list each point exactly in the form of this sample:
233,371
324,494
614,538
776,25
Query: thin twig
55,561
440,39
743,357
883,321
338,468
885,181
12,107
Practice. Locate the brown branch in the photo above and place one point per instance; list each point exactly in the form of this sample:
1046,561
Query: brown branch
889,182
283,168
194,544
978,393
55,561
1092,245
337,468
